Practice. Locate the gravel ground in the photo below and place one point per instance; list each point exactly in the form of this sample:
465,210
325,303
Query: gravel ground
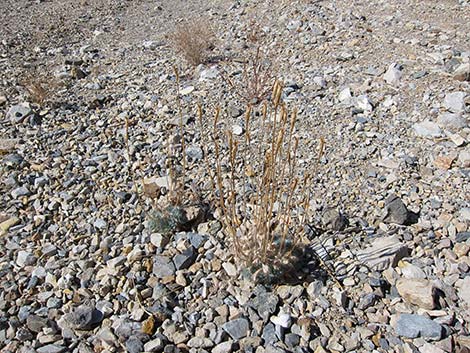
89,112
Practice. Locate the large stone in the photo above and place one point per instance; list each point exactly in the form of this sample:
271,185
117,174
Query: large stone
383,253
25,258
419,292
464,291
413,326
393,74
237,328
18,113
430,348
427,129
84,318
396,212
185,259
224,347
455,102
163,266
462,73
451,121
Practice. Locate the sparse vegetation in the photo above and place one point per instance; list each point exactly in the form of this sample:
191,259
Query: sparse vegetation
262,194
193,40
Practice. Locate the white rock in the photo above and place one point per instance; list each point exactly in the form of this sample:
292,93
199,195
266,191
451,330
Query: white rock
412,271
393,74
427,129
187,90
230,269
464,291
464,159
454,102
25,258
430,348
345,96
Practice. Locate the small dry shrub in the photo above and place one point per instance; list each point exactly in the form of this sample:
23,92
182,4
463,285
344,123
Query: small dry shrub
194,40
262,194
258,69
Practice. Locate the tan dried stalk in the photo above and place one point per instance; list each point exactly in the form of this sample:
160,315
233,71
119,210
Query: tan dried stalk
264,225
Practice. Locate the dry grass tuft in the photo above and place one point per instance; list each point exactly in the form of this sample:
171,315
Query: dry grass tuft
258,69
194,40
262,194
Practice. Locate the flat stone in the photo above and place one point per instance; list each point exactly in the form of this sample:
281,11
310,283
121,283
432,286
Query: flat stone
36,323
185,259
51,348
163,266
451,121
393,74
462,72
187,90
25,258
155,345
455,102
334,220
224,347
412,271
237,328
18,113
20,192
427,129
134,345
464,159
464,291
84,318
419,292
430,348
397,212
283,320
200,342
383,253
413,326
230,269
265,304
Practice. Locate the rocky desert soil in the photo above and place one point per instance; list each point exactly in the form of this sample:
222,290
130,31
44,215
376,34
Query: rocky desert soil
88,105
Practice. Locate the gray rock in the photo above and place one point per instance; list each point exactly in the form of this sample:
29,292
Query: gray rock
25,258
367,301
51,348
163,266
345,96
393,74
134,345
462,237
159,240
269,334
36,323
334,220
455,102
83,318
291,340
396,212
427,129
20,192
196,239
265,304
237,328
413,326
194,152
18,113
383,253
185,259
